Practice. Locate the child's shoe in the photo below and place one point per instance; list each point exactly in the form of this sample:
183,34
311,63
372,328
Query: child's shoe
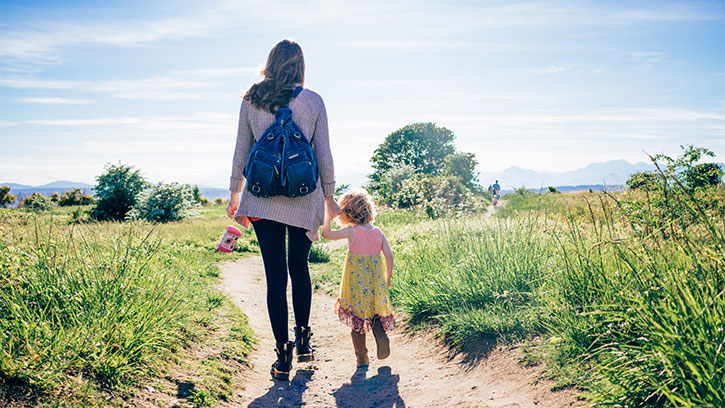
361,350
381,340
302,344
283,365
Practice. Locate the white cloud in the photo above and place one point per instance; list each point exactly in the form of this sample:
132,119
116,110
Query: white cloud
55,100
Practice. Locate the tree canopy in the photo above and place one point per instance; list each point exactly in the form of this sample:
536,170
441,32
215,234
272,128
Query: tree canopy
424,146
117,190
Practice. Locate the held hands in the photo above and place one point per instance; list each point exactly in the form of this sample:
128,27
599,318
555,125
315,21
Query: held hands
331,207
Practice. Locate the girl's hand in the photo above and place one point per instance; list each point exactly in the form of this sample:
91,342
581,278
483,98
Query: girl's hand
331,207
233,205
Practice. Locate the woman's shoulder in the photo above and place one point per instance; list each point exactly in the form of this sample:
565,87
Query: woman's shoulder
311,96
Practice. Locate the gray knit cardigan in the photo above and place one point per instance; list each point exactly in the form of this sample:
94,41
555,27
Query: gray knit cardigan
307,212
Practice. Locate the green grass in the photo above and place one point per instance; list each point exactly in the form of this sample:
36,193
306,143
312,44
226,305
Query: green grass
91,307
625,291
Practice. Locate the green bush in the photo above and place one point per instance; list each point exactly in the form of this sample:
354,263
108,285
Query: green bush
117,190
554,190
319,254
703,175
164,202
75,197
645,180
38,202
5,196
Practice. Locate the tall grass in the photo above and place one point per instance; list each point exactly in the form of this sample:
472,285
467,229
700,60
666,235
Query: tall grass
644,314
92,306
476,278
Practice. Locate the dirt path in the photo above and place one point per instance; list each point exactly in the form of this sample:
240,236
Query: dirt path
419,373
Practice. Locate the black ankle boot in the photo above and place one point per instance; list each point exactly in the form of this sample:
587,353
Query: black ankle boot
283,365
302,343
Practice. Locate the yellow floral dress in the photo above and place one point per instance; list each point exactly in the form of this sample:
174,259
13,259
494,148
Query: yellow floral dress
364,294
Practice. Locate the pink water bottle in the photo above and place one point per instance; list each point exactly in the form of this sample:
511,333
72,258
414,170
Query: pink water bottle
229,239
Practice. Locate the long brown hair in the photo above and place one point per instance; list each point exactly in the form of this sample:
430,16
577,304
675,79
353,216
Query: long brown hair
285,67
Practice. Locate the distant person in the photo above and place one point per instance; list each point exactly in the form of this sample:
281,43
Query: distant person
364,300
495,193
273,218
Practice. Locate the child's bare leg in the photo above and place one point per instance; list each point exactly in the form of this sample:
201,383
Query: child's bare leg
361,351
381,339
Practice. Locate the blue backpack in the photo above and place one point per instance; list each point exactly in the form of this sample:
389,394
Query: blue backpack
282,161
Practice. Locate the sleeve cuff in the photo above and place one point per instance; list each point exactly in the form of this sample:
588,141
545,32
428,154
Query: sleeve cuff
328,188
236,185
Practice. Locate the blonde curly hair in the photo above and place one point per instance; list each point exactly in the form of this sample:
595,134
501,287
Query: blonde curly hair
357,207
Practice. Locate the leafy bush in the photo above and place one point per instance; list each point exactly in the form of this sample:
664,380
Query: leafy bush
319,254
117,190
554,190
645,180
164,202
5,196
703,175
218,201
75,197
38,202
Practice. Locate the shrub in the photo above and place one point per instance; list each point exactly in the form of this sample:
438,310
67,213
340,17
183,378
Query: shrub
703,175
5,196
645,180
164,202
204,201
218,201
38,202
319,254
554,190
117,190
75,197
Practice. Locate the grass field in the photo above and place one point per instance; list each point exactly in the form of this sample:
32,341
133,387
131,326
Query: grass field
622,296
88,311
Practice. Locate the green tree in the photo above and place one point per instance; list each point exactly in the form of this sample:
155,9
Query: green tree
424,146
703,175
554,190
463,166
5,196
117,190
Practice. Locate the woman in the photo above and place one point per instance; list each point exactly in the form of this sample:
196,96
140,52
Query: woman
274,217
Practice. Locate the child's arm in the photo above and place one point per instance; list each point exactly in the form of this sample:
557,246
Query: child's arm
329,233
388,261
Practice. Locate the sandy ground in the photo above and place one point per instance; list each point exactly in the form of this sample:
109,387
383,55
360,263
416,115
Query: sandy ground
421,372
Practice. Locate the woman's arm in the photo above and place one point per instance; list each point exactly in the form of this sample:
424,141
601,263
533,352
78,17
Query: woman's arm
245,141
388,261
323,155
329,233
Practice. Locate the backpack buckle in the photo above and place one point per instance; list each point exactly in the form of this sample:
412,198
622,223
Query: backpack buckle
297,135
304,190
256,189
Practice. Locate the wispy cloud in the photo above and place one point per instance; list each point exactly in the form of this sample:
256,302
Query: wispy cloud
553,69
55,100
162,87
85,122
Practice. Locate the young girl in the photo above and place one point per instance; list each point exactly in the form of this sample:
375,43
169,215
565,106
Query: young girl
364,301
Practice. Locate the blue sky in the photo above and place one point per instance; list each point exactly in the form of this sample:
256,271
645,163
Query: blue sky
545,85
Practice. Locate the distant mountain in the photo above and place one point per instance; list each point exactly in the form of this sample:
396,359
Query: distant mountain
612,173
66,184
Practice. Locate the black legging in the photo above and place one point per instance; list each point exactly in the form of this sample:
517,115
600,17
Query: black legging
271,238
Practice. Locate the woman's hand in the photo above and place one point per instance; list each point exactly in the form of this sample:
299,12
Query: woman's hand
331,207
233,205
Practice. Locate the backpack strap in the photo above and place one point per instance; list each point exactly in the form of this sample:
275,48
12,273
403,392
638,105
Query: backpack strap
297,91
